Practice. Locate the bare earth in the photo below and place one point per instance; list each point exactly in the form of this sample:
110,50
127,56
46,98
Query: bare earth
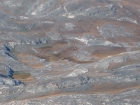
69,52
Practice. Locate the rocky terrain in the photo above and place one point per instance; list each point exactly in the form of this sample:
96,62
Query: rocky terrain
69,52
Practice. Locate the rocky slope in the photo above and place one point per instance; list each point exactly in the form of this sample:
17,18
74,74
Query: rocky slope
69,52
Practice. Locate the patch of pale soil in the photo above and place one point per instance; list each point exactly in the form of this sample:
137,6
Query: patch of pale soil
24,77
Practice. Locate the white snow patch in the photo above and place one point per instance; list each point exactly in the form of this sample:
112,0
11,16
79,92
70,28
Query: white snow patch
69,26
121,6
78,72
12,44
34,50
49,22
128,19
70,16
34,13
23,17
82,40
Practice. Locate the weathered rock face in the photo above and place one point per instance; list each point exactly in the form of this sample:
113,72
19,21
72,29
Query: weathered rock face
69,52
